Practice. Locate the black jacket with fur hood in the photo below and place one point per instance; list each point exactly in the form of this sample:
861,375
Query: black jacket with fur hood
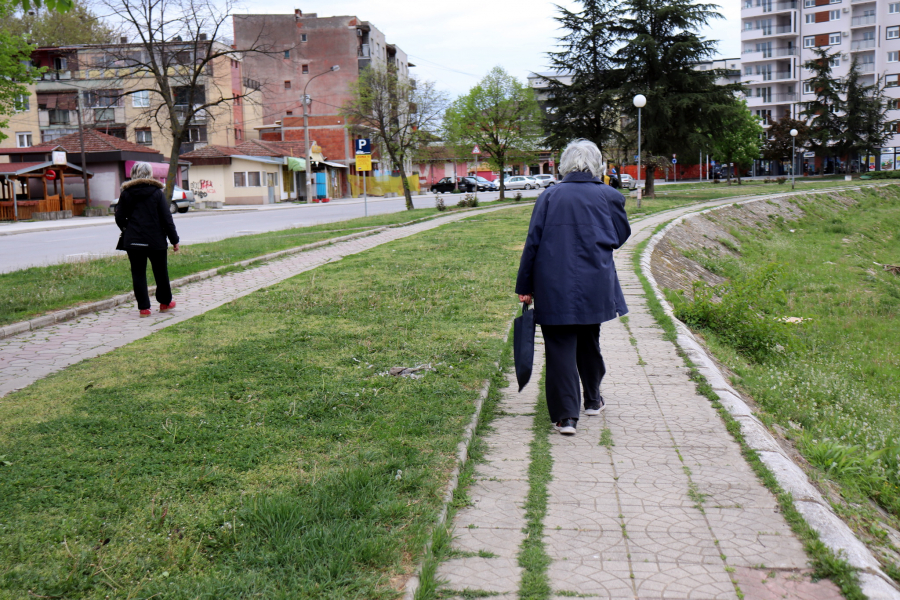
143,216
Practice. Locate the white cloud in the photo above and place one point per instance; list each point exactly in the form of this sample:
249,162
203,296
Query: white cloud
446,39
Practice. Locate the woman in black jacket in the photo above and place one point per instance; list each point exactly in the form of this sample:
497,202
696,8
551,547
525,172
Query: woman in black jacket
144,218
567,268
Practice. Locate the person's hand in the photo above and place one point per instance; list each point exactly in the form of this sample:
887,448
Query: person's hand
175,247
526,298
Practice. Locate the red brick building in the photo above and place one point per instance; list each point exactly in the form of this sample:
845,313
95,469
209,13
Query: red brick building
308,47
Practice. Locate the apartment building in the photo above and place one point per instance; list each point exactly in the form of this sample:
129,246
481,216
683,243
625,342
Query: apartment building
779,37
101,83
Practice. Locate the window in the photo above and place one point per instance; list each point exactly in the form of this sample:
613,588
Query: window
102,98
834,15
289,113
890,80
305,69
287,85
58,117
894,8
143,136
23,103
253,179
748,71
238,134
808,88
141,99
834,61
892,33
23,140
748,25
240,180
893,56
810,17
287,53
60,64
809,3
893,104
835,2
809,41
834,39
302,37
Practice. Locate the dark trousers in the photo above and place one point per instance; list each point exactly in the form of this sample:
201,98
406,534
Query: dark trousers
572,353
138,259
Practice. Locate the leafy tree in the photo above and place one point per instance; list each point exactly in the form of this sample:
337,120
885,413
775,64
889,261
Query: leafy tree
583,101
739,140
823,114
778,144
659,49
45,27
864,116
501,115
399,113
15,69
55,5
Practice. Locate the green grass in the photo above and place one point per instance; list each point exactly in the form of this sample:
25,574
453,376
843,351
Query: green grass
257,450
37,290
825,563
835,393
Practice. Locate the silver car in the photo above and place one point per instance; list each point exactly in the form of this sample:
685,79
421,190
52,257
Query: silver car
520,182
627,181
545,180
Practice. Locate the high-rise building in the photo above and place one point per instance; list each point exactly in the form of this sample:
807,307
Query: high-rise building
779,37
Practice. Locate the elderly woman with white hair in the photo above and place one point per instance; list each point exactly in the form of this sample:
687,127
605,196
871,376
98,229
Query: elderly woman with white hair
567,268
143,216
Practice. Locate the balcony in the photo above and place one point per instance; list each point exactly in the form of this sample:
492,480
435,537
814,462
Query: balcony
864,21
786,5
787,51
780,98
778,75
862,1
363,51
857,45
182,111
867,67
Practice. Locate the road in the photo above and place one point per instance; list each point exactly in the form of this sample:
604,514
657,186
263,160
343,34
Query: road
28,249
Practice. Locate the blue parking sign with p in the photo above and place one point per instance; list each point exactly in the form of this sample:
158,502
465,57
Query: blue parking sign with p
364,146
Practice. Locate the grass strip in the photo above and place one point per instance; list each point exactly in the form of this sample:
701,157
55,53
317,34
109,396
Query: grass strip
260,449
533,558
825,563
37,290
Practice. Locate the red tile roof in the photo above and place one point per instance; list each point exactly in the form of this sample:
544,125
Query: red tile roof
19,167
210,152
28,150
95,141
276,149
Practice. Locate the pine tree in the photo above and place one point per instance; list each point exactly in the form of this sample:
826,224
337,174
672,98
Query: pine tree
824,113
864,116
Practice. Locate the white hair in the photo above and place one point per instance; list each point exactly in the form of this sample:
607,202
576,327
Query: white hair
582,155
141,170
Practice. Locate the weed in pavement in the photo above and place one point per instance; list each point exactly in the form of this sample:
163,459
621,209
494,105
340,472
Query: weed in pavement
259,449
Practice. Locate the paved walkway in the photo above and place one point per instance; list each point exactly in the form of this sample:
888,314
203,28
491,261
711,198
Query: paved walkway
27,357
667,508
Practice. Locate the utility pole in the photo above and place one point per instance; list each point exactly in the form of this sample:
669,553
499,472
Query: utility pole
84,177
306,133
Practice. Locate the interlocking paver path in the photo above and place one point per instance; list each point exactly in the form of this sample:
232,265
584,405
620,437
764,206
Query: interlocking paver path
29,356
669,510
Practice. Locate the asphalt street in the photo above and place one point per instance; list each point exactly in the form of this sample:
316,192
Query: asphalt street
28,249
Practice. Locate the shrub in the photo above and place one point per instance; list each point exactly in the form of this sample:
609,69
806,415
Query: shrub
717,181
781,180
469,200
517,197
741,312
883,175
439,203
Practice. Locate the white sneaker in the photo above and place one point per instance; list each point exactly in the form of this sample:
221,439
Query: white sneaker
566,426
594,410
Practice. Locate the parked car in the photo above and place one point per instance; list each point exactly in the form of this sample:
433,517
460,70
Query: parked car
545,180
444,186
470,183
520,182
182,200
627,181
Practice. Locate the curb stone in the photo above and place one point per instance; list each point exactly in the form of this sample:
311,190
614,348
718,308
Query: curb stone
832,530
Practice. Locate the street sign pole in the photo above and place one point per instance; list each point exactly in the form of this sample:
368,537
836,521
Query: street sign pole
364,150
476,151
365,195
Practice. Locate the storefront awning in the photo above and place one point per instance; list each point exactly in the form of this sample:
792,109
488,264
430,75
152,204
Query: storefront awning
331,164
296,164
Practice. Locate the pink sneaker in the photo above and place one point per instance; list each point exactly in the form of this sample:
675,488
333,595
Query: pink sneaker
167,307
145,312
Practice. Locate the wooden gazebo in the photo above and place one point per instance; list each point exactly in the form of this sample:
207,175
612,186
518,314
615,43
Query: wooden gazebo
14,207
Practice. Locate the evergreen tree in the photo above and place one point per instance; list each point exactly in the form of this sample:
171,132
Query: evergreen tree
583,102
657,57
864,117
823,114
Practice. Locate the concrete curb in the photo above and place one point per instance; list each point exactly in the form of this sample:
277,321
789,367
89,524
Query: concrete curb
832,530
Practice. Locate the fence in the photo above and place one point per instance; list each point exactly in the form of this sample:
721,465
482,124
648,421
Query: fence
382,184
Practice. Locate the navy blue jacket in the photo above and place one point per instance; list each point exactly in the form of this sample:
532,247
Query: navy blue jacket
567,263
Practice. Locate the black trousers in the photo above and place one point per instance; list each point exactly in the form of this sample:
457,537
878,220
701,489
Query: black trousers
138,259
572,353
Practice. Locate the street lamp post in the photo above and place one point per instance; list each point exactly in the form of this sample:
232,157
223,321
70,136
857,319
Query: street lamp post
639,101
306,132
793,156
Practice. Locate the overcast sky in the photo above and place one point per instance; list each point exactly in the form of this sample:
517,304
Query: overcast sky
455,43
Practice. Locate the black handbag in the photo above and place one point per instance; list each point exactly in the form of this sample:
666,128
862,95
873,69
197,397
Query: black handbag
523,345
121,244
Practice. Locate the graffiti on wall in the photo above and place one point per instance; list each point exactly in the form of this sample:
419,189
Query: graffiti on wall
202,188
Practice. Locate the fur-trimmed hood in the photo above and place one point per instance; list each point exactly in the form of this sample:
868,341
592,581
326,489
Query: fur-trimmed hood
134,182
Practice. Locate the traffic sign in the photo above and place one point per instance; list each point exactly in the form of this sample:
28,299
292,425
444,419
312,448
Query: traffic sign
50,175
364,146
476,150
364,162
674,161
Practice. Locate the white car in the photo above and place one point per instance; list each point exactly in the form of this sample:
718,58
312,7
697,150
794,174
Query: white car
545,180
626,181
520,182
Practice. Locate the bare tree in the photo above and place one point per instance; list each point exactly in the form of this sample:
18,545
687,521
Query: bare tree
181,61
399,113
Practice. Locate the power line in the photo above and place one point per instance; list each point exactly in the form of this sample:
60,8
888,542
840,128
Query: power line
440,66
